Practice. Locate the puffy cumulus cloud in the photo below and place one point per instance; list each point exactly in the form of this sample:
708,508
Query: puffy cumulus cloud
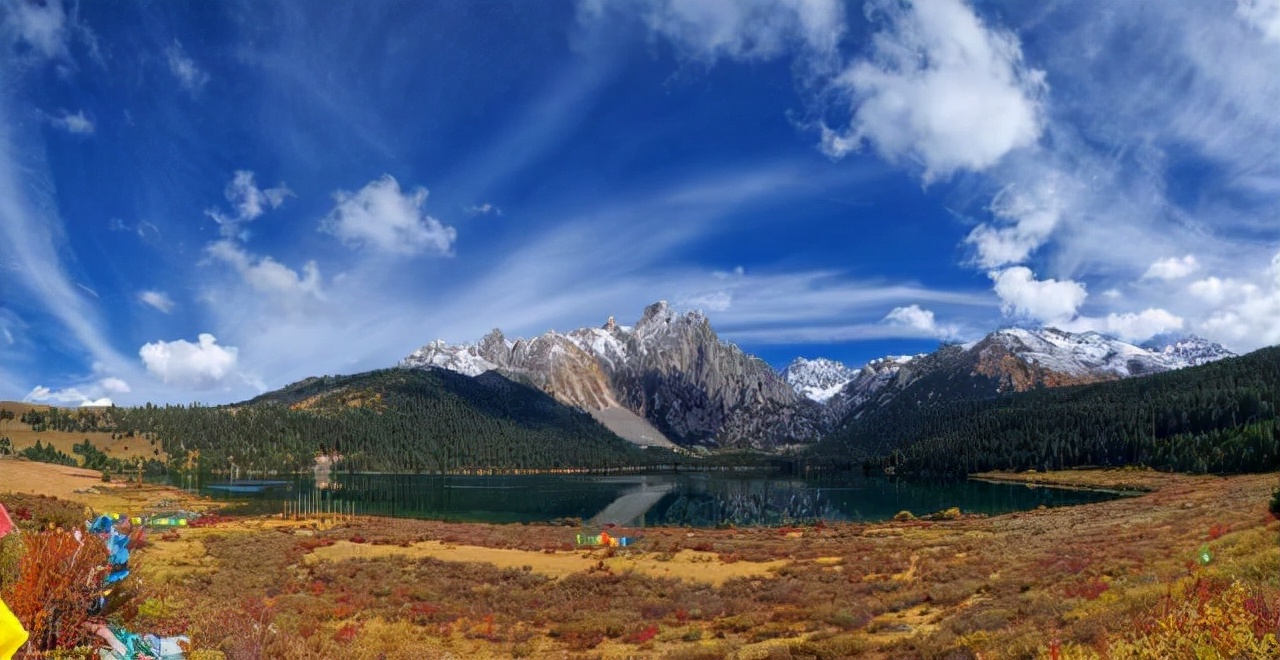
918,319
1263,15
1128,326
86,394
1247,314
381,217
708,30
114,385
40,25
940,88
77,124
1024,220
1048,301
67,396
1172,268
1215,290
248,200
201,365
267,275
157,299
190,76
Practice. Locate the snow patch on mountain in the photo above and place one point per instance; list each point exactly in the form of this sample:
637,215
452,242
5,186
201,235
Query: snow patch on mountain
818,379
462,358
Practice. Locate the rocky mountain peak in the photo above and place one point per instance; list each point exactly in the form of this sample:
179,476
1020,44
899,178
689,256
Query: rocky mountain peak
610,325
818,379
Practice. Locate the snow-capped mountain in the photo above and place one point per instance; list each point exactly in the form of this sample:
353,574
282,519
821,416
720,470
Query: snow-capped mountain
1014,360
670,377
819,379
1188,350
670,370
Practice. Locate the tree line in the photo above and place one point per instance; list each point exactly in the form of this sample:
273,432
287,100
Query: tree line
1220,418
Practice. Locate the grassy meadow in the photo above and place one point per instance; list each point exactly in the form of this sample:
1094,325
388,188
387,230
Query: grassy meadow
1117,579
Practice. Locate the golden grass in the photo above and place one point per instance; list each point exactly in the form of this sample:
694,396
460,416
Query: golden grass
705,567
23,437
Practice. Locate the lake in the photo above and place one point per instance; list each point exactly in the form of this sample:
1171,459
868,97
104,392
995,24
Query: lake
699,499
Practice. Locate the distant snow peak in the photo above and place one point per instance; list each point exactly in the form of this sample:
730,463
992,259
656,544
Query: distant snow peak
818,379
1093,354
1190,349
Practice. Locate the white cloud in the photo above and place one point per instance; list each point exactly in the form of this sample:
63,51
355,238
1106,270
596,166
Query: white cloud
87,394
157,299
707,30
919,319
114,385
267,275
715,301
941,89
41,25
202,365
42,394
1048,301
381,217
1262,15
1246,315
1025,219
1128,326
1215,291
248,200
1172,268
184,68
484,209
1112,294
77,124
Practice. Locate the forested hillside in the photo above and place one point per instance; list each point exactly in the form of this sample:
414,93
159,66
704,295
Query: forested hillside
394,420
1219,417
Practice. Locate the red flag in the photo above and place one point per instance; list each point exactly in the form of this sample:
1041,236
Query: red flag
6,525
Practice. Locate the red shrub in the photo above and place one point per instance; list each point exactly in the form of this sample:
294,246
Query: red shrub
1217,531
1089,589
347,633
642,635
58,578
209,520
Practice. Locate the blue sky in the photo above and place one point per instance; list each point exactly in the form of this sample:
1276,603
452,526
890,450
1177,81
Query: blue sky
199,201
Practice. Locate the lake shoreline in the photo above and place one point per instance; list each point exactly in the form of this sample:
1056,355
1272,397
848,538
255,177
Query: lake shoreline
1120,481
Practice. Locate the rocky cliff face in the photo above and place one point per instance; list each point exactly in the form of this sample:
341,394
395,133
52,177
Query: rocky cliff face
669,368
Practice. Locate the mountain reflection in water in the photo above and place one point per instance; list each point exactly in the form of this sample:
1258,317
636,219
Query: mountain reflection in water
693,499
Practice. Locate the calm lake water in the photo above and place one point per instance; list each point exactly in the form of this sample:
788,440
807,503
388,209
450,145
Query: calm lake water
703,499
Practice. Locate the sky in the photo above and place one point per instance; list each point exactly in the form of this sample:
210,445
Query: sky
204,201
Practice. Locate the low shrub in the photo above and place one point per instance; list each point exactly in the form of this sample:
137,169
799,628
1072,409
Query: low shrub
59,578
1201,617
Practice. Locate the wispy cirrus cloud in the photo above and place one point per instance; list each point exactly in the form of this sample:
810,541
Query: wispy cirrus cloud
157,299
190,76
